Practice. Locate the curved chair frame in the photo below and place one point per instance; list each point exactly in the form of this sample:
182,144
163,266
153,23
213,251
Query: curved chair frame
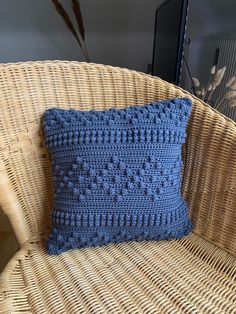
193,275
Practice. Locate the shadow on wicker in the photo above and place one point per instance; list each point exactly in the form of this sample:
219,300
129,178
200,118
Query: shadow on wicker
193,275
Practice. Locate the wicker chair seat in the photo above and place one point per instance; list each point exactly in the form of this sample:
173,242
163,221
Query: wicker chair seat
136,277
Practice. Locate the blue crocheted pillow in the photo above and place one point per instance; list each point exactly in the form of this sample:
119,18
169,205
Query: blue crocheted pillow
117,174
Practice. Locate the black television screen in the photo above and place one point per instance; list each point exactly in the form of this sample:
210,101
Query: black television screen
169,37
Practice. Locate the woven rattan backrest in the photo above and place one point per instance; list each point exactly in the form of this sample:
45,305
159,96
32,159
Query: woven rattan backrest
28,89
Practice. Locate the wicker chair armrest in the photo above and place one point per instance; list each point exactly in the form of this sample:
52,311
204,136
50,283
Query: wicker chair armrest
11,207
209,183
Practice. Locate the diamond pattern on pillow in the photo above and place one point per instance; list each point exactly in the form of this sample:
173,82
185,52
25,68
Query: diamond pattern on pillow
117,174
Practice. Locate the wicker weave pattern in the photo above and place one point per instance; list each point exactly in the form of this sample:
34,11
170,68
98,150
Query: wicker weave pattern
134,278
193,275
27,89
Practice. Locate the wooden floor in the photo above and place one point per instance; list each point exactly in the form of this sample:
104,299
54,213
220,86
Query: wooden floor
8,242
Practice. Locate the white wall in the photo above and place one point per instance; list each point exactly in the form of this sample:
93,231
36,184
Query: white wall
118,32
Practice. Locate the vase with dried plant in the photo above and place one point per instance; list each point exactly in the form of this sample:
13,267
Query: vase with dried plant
206,93
79,34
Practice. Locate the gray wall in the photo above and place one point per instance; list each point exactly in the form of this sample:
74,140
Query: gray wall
211,17
212,25
118,32
209,22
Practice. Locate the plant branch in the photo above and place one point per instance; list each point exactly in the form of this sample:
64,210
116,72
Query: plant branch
219,104
78,16
207,87
64,15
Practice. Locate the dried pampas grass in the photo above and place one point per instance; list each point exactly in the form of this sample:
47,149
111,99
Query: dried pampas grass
213,69
210,87
203,91
232,103
230,94
233,85
216,78
231,82
214,81
196,82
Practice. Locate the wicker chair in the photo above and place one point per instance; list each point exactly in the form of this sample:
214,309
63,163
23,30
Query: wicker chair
193,275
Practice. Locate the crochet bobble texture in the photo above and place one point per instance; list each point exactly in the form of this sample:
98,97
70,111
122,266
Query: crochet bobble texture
117,174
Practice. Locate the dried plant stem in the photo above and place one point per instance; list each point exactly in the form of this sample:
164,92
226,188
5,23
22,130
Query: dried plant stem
215,79
78,16
209,97
82,46
219,103
207,87
189,83
80,25
64,15
86,51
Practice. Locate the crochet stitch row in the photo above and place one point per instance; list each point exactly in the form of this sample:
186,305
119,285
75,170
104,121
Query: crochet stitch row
117,174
